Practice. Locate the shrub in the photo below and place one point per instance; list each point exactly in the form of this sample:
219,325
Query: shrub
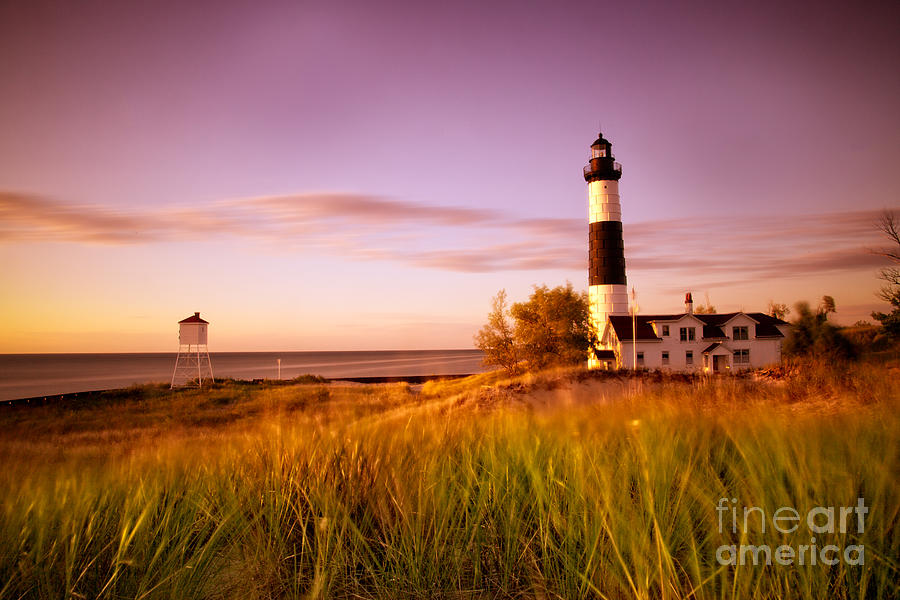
552,328
813,335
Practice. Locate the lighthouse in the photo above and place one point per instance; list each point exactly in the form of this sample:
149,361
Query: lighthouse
607,291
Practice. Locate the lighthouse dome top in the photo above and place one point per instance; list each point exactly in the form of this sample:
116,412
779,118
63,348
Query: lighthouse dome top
601,141
601,148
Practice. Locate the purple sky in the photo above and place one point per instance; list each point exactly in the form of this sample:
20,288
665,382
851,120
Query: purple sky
367,175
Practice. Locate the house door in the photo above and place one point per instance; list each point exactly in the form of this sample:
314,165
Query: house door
717,363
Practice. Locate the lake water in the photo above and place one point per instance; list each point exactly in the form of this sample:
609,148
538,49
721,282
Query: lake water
30,375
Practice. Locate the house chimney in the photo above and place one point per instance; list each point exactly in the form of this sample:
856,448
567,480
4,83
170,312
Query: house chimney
196,314
688,304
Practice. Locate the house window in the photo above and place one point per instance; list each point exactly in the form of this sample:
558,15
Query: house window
740,333
640,359
689,357
665,358
742,357
665,330
688,334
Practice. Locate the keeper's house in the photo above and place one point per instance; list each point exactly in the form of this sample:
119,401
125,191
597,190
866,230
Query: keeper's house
713,343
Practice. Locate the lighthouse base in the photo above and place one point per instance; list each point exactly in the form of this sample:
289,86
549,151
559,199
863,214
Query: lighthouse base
605,364
605,300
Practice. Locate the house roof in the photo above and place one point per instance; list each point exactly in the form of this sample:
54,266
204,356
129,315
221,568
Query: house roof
719,319
766,325
195,318
711,347
622,326
713,332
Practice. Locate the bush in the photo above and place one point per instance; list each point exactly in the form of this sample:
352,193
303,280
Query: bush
497,338
813,335
552,328
866,338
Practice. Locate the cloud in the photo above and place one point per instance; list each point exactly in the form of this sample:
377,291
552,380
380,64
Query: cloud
34,218
719,250
369,210
521,256
731,251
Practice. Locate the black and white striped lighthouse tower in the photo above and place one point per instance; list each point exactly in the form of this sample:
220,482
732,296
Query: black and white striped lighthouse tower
608,292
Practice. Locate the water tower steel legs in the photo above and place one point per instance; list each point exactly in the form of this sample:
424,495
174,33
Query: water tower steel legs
191,365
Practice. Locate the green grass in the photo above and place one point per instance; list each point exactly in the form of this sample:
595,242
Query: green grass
545,486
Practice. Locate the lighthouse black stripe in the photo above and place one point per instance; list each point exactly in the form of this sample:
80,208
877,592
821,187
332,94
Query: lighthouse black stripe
607,253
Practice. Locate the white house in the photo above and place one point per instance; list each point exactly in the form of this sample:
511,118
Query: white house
713,343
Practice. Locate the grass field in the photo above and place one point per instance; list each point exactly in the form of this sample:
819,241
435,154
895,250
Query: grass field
557,485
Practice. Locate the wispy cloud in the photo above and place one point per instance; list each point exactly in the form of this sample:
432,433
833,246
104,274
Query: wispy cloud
530,255
718,250
31,217
369,210
755,247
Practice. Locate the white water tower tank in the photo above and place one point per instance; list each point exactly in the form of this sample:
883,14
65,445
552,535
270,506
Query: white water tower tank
192,331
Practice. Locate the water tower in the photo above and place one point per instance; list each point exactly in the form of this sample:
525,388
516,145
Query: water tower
192,364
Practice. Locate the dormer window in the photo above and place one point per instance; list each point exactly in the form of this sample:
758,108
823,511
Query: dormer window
740,332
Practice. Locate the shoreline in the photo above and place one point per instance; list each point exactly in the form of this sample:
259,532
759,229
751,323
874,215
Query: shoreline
87,395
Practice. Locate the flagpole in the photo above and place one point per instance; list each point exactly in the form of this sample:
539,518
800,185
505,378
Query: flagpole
634,327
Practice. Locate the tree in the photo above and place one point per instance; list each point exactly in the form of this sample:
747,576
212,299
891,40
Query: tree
887,224
813,335
827,306
779,311
890,321
890,293
552,328
497,338
706,309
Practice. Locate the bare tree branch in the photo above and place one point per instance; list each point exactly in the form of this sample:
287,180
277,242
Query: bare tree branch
888,225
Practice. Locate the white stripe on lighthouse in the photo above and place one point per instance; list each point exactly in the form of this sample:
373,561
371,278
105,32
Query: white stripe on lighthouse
603,201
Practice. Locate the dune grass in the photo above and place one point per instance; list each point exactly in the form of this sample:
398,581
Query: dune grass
606,488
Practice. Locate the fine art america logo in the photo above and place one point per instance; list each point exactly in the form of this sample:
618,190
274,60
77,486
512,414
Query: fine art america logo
820,520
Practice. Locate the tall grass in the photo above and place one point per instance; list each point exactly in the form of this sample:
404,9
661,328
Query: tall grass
378,492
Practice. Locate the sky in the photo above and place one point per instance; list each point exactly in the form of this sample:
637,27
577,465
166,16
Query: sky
367,175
